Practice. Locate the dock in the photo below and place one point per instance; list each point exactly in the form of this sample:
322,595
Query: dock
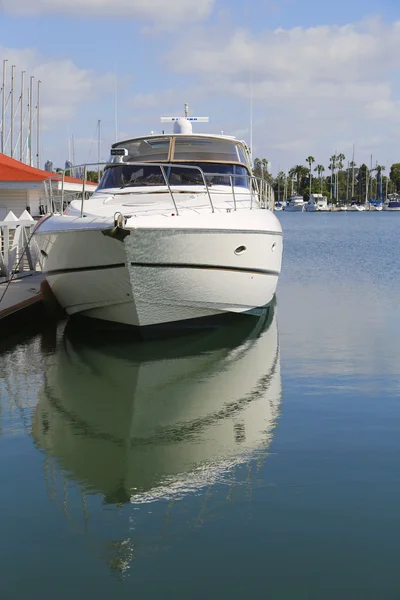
21,300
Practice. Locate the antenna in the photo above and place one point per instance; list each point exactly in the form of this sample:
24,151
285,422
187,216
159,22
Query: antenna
184,124
115,105
251,117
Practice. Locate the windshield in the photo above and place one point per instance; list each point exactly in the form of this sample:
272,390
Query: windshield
151,150
121,176
182,149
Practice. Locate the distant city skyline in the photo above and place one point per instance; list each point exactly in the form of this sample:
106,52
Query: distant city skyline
48,166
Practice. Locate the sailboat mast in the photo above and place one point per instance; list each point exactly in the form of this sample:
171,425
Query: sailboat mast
279,187
12,110
352,176
30,120
98,148
3,107
73,155
21,127
251,118
38,126
285,187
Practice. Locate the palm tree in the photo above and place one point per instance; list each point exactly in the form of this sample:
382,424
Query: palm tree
310,160
379,169
299,171
340,158
292,175
352,165
320,169
332,168
281,178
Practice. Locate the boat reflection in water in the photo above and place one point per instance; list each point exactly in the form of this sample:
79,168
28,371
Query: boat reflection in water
140,422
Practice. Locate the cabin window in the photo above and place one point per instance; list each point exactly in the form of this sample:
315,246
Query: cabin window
198,149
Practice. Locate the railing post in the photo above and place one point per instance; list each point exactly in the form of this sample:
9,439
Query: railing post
3,258
27,235
62,192
233,191
207,188
169,188
6,241
83,188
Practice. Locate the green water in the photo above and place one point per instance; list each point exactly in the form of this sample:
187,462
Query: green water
260,459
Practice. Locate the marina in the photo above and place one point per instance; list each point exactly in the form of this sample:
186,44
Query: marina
199,389
240,440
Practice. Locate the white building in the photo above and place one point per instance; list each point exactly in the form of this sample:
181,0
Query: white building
24,188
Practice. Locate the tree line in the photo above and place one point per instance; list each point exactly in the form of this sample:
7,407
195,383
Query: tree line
339,182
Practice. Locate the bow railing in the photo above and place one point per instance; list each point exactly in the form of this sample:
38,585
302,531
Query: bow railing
256,191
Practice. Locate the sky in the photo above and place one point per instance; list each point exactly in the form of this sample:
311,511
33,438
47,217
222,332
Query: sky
322,76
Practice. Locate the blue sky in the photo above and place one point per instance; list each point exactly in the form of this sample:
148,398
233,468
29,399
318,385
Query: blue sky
325,75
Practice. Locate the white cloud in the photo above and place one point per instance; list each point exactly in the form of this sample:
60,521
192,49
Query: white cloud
154,10
325,55
313,87
64,85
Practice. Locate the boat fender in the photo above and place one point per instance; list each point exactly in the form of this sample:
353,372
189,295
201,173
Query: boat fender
118,232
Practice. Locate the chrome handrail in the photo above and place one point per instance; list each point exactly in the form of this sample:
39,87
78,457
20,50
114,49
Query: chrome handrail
169,188
83,188
258,186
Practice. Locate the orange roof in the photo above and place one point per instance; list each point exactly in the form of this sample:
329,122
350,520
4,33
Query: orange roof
14,170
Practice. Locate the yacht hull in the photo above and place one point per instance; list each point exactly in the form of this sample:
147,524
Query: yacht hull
159,275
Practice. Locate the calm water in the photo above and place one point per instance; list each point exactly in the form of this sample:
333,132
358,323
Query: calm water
261,460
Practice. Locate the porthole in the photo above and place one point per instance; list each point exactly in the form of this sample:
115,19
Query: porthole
240,249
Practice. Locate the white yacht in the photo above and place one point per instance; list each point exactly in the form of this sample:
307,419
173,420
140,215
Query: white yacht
392,203
295,204
310,205
178,229
316,203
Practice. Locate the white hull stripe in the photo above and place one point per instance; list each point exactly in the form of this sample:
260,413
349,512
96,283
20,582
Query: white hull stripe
83,269
204,267
165,266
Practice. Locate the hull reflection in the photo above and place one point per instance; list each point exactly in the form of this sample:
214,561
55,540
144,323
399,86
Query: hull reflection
137,422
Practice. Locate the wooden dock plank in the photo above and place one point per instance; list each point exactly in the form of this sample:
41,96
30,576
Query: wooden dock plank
21,301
